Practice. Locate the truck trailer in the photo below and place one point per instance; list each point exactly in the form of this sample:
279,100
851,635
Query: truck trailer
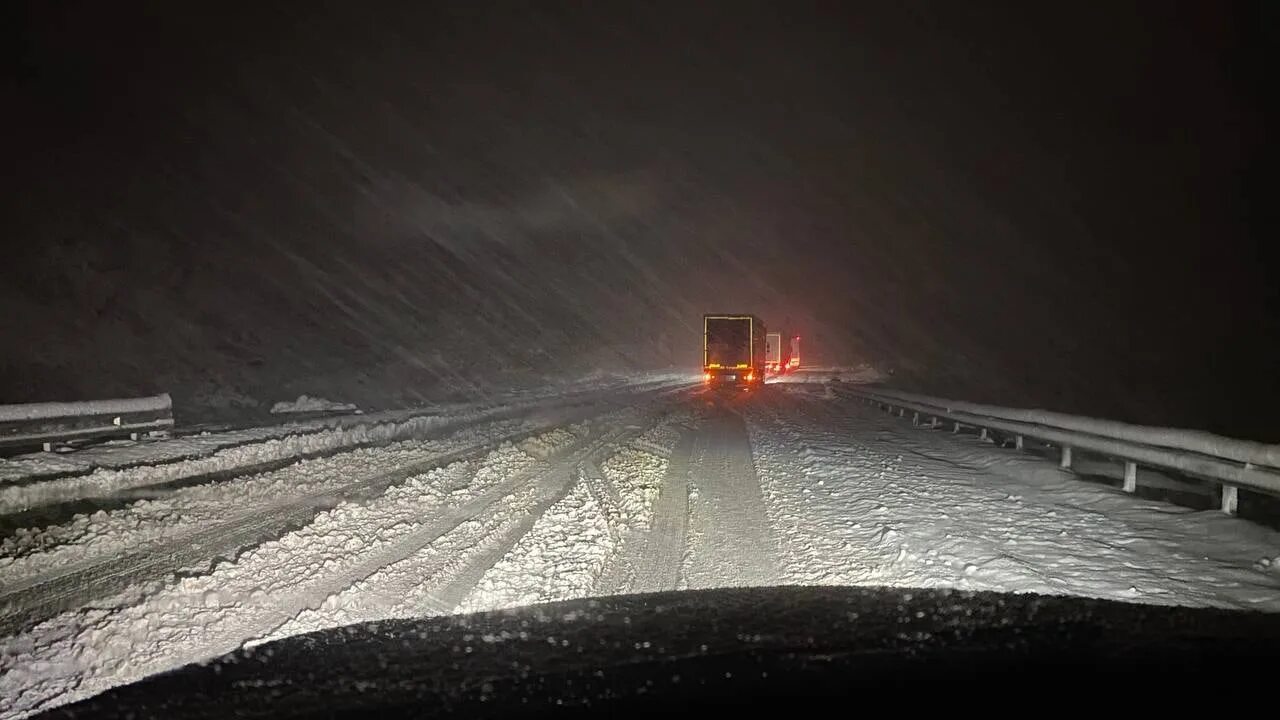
782,353
773,360
733,350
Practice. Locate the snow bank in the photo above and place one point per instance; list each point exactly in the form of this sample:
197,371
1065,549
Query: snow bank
122,455
306,403
102,482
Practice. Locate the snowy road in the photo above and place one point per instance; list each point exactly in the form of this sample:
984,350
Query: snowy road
630,489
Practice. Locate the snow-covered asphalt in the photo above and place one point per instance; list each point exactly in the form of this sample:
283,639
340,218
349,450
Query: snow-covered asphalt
637,488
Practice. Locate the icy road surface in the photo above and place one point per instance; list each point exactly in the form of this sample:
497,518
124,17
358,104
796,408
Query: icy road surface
646,486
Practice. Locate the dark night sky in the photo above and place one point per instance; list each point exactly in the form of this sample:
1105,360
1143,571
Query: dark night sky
1049,207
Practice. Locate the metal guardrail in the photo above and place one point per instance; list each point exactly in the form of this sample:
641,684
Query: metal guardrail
56,422
1229,462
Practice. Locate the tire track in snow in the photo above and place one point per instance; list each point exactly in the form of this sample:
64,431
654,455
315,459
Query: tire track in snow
651,562
198,617
522,489
407,588
730,543
67,576
73,584
79,583
552,488
549,488
439,576
239,601
176,513
563,549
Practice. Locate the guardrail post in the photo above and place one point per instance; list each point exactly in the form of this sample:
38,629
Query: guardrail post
1230,499
1130,476
1017,442
1065,462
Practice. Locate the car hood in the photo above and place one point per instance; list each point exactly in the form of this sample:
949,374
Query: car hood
645,653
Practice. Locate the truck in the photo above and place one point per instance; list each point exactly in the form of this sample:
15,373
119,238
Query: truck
733,350
773,362
781,357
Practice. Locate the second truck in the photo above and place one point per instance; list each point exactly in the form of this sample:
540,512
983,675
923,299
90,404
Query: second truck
780,357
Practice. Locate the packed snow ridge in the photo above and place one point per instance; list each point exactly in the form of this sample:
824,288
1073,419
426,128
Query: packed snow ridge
306,403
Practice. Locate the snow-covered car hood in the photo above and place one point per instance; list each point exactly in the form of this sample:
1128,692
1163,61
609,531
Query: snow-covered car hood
675,650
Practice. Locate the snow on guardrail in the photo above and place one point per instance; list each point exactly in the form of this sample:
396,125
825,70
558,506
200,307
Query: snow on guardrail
1230,462
58,410
34,423
1196,441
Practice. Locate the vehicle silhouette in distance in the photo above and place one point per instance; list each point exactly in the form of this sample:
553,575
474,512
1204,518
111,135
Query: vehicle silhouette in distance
733,350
